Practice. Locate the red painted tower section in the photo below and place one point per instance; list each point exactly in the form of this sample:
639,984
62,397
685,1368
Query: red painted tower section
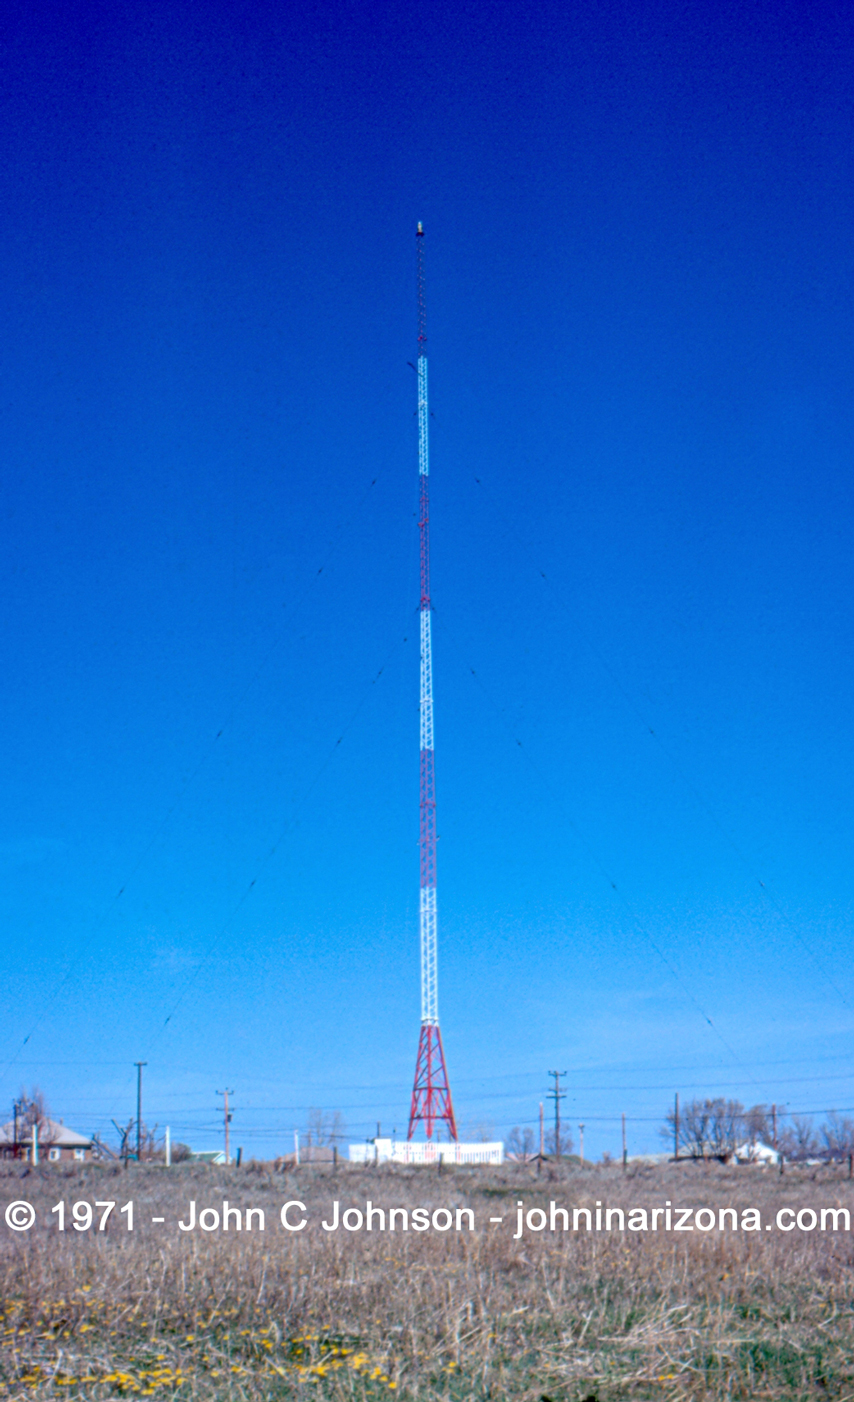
431,1094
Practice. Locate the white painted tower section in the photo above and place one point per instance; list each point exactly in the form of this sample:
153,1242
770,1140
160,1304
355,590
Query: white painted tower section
427,910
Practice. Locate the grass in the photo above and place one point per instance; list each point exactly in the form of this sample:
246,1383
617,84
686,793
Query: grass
427,1316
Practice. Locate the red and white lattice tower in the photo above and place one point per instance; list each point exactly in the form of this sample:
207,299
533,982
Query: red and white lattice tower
431,1093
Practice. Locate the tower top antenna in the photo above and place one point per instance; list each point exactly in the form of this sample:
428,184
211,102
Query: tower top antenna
422,351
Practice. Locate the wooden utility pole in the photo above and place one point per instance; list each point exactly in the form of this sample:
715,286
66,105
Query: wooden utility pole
139,1065
774,1122
226,1119
557,1095
581,1145
676,1129
542,1133
625,1151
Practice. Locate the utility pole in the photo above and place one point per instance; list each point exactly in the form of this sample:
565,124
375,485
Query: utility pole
581,1144
541,1154
676,1130
625,1151
774,1119
226,1119
139,1065
557,1095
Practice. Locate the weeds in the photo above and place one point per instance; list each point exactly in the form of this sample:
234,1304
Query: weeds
363,1315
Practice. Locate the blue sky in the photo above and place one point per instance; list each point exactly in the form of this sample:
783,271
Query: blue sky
639,224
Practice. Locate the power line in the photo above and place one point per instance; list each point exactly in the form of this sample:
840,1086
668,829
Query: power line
689,783
100,923
641,929
272,851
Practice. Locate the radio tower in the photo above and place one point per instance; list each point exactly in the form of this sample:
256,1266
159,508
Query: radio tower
431,1094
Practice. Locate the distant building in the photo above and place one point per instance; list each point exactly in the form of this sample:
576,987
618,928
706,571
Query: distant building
749,1153
308,1153
207,1156
757,1153
57,1143
417,1152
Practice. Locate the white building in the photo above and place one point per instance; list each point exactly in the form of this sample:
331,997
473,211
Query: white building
419,1152
757,1152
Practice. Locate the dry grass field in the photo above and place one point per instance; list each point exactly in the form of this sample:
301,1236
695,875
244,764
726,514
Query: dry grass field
427,1315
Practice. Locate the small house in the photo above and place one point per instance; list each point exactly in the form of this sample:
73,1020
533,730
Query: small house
56,1143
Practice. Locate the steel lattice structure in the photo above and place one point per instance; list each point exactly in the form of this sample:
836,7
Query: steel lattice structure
431,1093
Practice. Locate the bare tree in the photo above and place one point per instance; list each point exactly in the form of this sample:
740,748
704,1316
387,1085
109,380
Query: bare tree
32,1111
101,1152
798,1140
325,1127
694,1120
520,1144
125,1132
152,1147
758,1125
838,1136
567,1143
729,1125
483,1132
708,1129
29,1111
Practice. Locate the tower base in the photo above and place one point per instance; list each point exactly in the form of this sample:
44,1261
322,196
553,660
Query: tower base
431,1094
